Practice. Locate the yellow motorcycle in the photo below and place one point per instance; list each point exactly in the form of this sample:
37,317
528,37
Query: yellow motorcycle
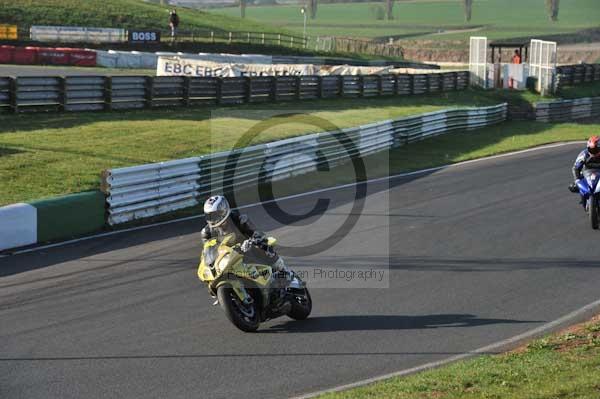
250,292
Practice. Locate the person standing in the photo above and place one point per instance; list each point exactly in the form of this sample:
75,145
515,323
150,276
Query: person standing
173,23
516,59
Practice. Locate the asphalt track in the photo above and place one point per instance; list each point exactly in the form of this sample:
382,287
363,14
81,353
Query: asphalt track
477,253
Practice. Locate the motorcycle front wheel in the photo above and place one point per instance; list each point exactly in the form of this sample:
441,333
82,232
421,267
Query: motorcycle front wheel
301,304
245,317
593,211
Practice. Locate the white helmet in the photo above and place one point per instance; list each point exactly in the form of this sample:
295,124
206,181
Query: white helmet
216,210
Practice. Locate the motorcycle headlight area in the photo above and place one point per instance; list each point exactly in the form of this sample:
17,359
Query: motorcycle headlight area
207,274
223,262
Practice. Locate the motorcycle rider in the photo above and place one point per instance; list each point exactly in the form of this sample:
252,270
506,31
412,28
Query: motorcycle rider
587,159
221,221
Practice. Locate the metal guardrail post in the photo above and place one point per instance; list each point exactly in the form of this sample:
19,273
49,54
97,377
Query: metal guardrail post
13,89
455,80
107,93
186,90
396,85
319,86
219,91
263,38
298,82
411,84
279,39
212,36
273,93
340,83
361,86
62,93
149,91
230,35
379,85
247,89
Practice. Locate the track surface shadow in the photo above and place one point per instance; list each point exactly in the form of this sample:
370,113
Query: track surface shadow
385,322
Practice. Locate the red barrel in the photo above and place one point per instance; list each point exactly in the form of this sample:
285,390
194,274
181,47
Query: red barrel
7,54
25,56
53,56
80,57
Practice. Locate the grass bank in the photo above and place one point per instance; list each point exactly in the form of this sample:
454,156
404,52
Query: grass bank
563,365
119,14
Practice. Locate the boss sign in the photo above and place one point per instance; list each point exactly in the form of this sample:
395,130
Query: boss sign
144,36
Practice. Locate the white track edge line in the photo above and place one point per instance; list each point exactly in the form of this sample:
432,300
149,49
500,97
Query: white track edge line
488,348
322,190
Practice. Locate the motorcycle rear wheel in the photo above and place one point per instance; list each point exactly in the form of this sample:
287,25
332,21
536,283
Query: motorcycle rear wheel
593,211
244,317
301,305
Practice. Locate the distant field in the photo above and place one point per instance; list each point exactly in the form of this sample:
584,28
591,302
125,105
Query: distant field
497,19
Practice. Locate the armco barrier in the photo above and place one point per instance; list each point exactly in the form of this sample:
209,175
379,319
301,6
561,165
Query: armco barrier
153,189
31,94
567,110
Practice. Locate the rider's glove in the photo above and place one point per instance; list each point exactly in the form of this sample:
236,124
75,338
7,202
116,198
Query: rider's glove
573,187
246,245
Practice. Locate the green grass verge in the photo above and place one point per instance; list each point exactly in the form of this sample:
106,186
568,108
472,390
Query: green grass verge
119,14
497,19
57,154
564,365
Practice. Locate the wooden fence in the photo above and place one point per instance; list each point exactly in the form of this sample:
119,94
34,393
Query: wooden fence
94,93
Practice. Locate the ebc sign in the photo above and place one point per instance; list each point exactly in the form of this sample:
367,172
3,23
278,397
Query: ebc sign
136,36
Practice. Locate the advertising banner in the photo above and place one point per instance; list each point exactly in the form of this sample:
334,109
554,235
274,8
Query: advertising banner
177,66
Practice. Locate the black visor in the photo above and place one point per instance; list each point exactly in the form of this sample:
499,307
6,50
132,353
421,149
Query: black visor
594,150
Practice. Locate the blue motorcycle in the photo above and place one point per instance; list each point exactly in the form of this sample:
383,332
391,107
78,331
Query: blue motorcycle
589,189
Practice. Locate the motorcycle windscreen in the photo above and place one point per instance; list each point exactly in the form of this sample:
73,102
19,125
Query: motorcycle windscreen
210,255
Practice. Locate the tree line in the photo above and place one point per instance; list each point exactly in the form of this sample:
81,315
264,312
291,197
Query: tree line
311,6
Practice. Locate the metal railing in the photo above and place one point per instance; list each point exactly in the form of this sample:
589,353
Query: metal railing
153,189
260,38
90,93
